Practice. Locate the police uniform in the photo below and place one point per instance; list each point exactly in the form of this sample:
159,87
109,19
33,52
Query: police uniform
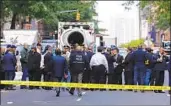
77,64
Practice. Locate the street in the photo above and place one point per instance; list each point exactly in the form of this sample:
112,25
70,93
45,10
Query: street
42,97
47,98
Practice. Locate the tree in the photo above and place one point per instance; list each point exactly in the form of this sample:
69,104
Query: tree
159,11
133,43
48,10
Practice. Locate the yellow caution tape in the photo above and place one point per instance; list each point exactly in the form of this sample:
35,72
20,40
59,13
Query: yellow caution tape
81,85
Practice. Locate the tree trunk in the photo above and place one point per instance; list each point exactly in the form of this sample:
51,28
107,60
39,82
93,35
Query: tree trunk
14,17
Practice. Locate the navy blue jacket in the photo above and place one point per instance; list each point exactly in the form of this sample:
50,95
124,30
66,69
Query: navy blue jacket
139,57
59,65
110,60
48,58
160,66
169,66
128,63
88,56
9,62
150,57
77,62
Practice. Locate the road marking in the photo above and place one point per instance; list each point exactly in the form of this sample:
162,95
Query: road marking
3,91
168,94
9,102
78,99
83,93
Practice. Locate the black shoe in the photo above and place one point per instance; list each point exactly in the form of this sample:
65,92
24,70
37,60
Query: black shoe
161,92
155,91
72,93
135,91
57,95
142,91
79,95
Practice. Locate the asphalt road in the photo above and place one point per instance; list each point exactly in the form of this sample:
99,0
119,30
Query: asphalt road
47,98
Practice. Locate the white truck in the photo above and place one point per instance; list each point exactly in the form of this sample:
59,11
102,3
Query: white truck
76,33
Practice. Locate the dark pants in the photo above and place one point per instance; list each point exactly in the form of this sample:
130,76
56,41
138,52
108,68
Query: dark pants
170,80
159,78
47,78
2,77
110,78
98,75
9,76
148,77
76,78
86,77
57,79
128,77
153,77
25,74
117,77
139,75
34,75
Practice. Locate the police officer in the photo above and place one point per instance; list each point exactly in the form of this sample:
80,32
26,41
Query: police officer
149,66
160,66
169,69
118,66
8,48
99,66
13,47
110,60
139,58
77,64
128,66
24,60
87,72
2,73
9,65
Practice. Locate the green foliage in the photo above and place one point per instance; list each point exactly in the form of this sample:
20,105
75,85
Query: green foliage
49,10
133,43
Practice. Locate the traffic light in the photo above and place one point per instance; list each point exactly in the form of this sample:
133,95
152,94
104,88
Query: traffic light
78,16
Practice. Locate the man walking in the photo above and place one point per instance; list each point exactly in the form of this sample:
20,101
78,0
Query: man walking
77,64
59,67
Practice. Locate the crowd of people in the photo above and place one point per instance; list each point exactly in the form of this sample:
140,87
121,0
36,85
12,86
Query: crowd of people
80,65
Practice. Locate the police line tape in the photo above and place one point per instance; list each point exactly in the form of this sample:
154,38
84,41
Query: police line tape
83,85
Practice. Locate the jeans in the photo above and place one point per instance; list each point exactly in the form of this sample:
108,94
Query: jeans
139,75
68,78
147,76
169,77
24,76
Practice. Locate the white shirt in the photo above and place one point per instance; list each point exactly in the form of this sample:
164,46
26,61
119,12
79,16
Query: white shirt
98,59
